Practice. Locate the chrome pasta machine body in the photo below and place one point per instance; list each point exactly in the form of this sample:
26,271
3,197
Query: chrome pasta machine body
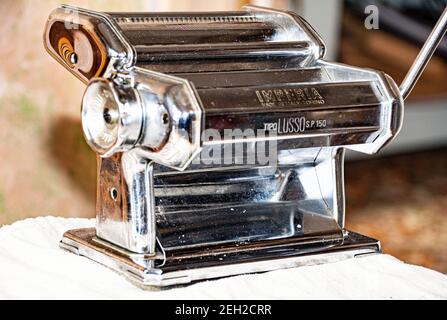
220,139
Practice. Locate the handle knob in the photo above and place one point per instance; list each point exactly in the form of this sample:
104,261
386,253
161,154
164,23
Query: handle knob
112,117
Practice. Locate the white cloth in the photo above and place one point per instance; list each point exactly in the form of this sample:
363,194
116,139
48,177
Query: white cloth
33,267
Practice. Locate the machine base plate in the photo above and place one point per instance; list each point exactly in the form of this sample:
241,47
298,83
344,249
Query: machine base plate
158,271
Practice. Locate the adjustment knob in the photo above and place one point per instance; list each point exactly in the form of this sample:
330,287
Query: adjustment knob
112,117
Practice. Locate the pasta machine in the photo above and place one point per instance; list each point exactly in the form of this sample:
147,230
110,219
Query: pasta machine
220,139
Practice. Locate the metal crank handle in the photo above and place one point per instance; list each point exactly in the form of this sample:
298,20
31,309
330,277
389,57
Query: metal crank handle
424,56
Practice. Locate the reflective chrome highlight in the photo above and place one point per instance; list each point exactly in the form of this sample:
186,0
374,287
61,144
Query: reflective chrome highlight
112,118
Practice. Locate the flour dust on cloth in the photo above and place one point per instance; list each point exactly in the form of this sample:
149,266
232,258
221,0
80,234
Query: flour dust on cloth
33,267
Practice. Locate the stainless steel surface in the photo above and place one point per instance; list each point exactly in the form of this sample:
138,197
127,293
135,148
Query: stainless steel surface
424,56
221,145
186,267
112,119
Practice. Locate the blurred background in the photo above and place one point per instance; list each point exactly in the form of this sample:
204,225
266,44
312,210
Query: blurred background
399,196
